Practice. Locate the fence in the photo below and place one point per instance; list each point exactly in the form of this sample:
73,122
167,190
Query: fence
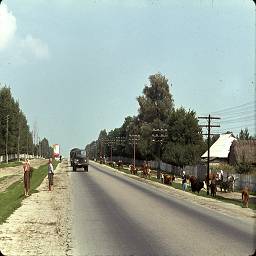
13,157
199,171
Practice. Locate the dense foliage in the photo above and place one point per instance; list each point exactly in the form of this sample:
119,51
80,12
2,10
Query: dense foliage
182,143
19,139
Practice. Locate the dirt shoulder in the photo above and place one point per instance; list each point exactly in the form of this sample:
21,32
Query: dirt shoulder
42,225
228,209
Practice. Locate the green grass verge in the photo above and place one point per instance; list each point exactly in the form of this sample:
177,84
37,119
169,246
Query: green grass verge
202,193
11,198
10,164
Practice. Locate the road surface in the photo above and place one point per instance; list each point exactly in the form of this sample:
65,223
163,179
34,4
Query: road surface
116,215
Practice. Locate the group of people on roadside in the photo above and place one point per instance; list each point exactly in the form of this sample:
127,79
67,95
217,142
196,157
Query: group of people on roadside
27,176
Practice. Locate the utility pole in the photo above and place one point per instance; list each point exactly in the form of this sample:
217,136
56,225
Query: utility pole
158,137
18,149
39,147
120,140
134,138
95,150
101,147
110,143
208,126
6,144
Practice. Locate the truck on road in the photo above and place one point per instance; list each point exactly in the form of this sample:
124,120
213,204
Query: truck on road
79,159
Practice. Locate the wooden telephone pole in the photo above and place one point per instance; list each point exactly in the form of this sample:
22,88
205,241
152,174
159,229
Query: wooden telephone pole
208,126
159,137
6,143
134,139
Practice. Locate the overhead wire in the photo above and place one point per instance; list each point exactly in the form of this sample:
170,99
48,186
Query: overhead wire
235,108
236,118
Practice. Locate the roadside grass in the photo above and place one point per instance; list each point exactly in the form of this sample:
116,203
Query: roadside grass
10,164
202,193
12,197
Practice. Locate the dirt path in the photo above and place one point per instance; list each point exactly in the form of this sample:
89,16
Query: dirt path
42,225
7,181
13,174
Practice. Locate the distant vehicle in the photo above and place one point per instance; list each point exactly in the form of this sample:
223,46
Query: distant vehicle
79,159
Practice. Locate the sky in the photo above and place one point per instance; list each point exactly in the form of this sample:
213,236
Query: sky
77,67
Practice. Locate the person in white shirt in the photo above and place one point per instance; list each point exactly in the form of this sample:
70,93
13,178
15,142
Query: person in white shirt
50,174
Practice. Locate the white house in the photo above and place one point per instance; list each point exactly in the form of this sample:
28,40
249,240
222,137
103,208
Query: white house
221,147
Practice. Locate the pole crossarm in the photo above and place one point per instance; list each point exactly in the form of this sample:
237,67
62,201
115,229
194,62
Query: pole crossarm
159,135
208,126
120,140
211,134
207,117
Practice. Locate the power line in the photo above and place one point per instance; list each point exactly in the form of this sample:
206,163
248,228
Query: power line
237,128
243,112
237,119
245,105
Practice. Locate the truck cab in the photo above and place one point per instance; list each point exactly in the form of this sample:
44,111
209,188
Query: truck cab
79,159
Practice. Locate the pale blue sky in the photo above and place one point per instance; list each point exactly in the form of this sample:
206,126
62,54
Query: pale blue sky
76,67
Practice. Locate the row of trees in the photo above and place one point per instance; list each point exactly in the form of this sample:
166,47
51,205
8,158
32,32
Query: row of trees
15,134
159,130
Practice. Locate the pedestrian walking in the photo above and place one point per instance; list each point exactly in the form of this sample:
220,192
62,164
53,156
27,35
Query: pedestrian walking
184,181
26,178
221,175
50,174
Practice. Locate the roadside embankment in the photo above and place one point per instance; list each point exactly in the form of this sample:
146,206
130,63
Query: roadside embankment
41,226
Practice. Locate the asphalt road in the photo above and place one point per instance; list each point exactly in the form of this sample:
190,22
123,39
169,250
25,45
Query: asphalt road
116,215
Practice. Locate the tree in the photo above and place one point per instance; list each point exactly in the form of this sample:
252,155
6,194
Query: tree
20,139
45,148
156,110
244,135
156,104
155,107
101,141
185,141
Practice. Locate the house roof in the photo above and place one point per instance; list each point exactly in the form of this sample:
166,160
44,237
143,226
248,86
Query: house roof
221,147
243,151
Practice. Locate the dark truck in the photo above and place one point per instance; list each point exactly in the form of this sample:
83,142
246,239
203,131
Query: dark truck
79,159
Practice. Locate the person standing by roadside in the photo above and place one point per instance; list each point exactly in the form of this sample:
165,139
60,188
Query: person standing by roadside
184,181
26,179
50,173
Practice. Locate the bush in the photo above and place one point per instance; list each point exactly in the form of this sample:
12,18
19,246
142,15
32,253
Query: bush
224,167
243,168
